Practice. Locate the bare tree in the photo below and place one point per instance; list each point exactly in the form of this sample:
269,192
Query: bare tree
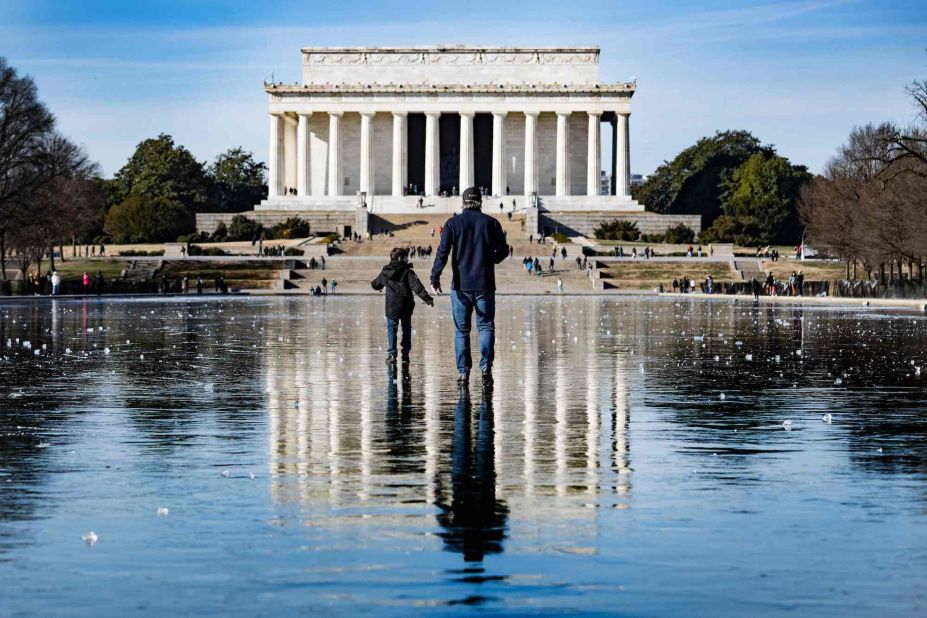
24,125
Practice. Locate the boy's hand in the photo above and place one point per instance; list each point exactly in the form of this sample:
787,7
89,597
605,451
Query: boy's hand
430,302
436,287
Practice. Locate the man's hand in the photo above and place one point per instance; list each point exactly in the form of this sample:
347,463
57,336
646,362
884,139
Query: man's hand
435,287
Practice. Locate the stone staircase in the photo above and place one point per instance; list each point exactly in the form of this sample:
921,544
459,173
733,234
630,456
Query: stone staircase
749,268
416,230
354,274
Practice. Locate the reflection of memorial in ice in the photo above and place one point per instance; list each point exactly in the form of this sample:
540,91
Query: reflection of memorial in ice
349,443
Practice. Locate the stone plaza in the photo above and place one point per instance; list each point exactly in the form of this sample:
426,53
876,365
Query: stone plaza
394,130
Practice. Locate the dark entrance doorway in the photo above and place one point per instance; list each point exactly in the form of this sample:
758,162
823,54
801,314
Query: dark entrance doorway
449,152
482,150
415,151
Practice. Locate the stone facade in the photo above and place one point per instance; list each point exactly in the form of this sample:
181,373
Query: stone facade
341,85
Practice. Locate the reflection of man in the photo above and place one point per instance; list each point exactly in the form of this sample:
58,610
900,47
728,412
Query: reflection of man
474,521
478,244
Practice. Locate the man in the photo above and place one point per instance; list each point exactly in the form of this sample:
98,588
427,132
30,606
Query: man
475,243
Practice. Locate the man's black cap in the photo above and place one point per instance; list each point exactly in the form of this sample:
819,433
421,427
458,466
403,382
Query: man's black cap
471,195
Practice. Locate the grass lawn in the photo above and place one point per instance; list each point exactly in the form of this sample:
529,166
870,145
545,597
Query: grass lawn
645,276
813,270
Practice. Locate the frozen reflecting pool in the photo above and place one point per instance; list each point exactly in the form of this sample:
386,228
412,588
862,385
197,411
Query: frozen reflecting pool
636,456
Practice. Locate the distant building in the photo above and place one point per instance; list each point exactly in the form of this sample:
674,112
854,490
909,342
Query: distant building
605,184
637,180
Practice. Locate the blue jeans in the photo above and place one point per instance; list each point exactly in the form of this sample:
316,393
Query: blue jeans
391,327
462,306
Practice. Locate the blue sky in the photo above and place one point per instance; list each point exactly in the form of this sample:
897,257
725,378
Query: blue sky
799,74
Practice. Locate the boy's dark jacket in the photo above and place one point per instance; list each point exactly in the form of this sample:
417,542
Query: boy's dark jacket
400,282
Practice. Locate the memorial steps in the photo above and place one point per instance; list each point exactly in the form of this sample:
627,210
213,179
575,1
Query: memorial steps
354,275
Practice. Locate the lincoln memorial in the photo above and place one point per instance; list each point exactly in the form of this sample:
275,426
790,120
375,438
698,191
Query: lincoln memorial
393,129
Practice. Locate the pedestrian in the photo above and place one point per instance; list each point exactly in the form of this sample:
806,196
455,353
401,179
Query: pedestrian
563,253
559,286
199,284
475,243
334,284
550,265
186,284
98,282
56,283
86,282
325,284
400,282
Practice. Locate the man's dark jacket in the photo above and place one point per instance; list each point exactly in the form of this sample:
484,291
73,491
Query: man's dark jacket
478,244
400,282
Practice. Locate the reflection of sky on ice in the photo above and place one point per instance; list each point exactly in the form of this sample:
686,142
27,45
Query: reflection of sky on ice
604,470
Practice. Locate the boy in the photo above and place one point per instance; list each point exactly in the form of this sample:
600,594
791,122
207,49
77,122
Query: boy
400,282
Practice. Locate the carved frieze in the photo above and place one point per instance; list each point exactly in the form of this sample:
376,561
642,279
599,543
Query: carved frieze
469,56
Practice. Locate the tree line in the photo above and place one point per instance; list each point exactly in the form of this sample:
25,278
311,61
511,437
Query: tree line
869,207
52,193
743,190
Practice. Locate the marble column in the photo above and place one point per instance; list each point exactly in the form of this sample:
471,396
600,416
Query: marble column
498,153
367,177
614,175
623,164
302,154
274,157
432,154
531,152
335,177
289,153
563,154
400,161
594,156
466,150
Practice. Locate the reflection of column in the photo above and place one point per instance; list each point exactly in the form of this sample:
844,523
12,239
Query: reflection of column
432,369
563,154
366,154
335,177
498,153
400,139
531,153
623,151
561,402
620,463
432,154
302,155
466,150
592,397
366,422
334,430
531,400
274,157
593,157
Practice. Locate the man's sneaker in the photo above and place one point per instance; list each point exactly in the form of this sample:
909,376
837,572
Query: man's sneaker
390,359
463,378
487,376
405,359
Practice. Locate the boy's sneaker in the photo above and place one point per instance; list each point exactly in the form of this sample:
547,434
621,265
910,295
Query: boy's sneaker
463,378
390,359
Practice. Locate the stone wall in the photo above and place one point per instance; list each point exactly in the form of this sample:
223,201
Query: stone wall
318,154
350,153
547,153
515,153
383,153
583,223
578,151
320,223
